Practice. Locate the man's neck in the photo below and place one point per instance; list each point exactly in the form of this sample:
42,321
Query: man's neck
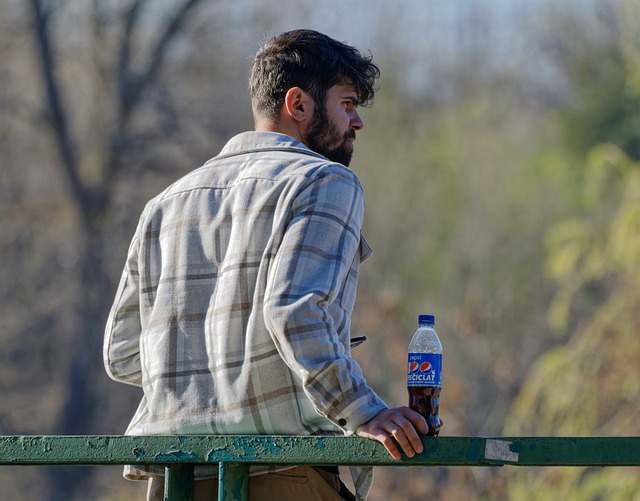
283,127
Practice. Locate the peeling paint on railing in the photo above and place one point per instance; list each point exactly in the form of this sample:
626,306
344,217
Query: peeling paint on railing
234,453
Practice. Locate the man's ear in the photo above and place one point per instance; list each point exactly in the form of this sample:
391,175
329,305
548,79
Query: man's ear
298,104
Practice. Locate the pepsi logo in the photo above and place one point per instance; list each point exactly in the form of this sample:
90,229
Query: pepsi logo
423,367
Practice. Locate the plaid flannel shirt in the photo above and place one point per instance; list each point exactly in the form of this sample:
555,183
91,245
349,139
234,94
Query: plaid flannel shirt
233,311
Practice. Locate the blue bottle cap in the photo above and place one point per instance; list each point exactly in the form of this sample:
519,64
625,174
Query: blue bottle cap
427,319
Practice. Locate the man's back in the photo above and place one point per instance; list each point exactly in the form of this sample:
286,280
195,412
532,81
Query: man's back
250,233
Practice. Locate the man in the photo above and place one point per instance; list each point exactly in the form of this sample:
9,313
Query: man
233,311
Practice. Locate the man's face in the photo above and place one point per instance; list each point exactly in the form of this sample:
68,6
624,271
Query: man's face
332,129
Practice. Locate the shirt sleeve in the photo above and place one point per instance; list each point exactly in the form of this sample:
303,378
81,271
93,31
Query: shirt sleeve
121,351
308,272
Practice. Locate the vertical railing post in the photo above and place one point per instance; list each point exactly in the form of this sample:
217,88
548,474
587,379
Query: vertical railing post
233,484
178,482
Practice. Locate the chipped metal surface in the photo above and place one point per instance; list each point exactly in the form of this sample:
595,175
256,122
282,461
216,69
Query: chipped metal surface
234,453
450,451
500,450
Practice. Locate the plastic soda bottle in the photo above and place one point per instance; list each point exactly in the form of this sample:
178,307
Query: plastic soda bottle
424,372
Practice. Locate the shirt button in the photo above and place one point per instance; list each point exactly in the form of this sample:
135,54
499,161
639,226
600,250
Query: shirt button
342,422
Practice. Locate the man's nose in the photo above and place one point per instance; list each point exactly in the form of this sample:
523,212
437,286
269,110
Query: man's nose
356,121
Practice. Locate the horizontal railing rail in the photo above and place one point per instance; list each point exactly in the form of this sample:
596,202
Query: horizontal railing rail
234,453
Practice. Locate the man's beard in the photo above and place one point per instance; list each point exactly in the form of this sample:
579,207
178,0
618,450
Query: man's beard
323,137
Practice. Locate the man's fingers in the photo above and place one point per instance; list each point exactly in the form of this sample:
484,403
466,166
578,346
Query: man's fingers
390,445
385,440
413,436
400,426
406,436
417,420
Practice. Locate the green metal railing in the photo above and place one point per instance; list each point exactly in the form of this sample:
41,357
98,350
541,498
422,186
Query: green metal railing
233,454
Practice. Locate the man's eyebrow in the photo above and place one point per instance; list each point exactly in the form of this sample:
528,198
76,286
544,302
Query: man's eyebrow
352,98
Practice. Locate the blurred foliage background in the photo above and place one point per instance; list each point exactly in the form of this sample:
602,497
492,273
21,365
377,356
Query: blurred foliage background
501,162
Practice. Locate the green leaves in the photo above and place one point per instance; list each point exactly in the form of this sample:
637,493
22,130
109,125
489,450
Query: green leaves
604,243
589,386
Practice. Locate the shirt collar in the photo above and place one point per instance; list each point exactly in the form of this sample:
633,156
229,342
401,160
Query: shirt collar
261,141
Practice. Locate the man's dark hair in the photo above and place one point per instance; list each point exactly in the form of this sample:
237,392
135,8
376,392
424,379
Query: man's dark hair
309,60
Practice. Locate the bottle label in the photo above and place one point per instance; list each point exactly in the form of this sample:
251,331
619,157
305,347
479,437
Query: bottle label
424,369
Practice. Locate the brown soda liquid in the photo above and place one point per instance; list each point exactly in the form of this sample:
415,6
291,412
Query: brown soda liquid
425,400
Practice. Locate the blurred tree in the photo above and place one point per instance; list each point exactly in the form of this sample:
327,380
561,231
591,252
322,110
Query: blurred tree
606,108
590,386
600,58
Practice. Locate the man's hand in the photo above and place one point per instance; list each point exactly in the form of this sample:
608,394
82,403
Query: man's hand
401,423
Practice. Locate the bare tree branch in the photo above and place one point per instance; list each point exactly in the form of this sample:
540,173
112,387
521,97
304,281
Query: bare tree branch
125,91
64,141
172,29
131,89
131,86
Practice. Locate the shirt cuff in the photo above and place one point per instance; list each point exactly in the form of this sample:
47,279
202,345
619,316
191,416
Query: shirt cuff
351,414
